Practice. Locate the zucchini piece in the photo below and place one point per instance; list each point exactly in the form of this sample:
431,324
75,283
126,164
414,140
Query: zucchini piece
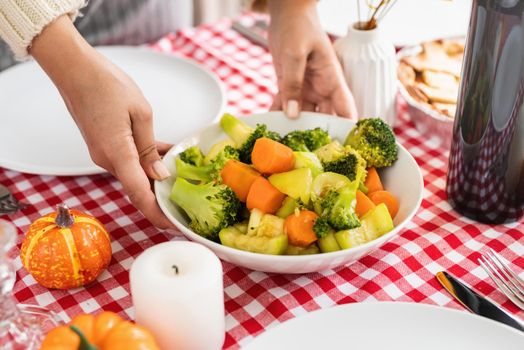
288,207
328,243
372,225
232,237
329,180
351,238
264,245
228,236
377,222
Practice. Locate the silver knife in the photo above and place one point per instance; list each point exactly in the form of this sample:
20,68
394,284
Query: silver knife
476,303
250,33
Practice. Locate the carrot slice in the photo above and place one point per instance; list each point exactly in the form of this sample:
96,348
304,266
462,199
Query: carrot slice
299,228
388,199
270,157
239,177
364,204
264,196
373,182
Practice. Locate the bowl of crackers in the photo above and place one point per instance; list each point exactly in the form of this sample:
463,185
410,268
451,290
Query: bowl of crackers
429,76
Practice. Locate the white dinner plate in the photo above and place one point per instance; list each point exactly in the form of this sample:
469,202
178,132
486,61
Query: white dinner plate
389,325
38,136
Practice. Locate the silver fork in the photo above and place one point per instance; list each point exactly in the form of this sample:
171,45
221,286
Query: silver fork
504,277
8,203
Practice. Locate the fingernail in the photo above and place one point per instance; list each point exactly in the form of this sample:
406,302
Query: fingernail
292,109
161,170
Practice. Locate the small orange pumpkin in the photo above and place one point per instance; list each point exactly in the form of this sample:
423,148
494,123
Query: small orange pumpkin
66,249
105,331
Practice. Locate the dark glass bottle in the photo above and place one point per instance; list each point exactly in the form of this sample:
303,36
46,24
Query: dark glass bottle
486,163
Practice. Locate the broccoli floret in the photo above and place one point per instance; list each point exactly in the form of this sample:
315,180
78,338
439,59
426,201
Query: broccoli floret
228,152
223,156
221,159
306,140
202,173
216,149
362,187
316,138
300,205
273,135
338,208
321,227
375,141
210,207
362,165
295,140
342,160
208,172
345,165
192,155
244,135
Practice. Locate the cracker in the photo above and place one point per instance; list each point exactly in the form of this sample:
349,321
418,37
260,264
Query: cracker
453,47
438,63
406,74
440,80
417,94
432,77
438,95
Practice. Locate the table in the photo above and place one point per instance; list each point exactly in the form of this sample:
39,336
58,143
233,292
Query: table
402,270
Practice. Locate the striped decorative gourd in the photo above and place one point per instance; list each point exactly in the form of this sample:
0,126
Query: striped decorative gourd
66,249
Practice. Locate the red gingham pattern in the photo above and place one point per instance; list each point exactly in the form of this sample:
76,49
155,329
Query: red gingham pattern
403,269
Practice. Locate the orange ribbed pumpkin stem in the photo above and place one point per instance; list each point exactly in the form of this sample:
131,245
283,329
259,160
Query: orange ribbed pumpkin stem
64,219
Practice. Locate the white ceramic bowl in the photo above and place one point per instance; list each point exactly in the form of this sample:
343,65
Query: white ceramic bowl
403,179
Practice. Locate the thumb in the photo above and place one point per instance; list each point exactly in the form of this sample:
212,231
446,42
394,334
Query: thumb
142,127
290,83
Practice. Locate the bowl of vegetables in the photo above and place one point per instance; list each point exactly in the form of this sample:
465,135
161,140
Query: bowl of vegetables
291,196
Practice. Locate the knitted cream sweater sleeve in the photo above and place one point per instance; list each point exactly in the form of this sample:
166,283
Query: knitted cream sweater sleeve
22,20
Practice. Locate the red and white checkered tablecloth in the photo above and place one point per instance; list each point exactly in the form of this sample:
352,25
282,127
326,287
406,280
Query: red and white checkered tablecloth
403,269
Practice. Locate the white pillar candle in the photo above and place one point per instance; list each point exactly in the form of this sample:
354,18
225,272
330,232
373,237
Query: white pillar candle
177,291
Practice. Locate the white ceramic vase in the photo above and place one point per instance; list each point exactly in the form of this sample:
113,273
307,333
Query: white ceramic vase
370,68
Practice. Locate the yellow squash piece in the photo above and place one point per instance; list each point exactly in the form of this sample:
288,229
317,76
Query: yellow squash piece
295,183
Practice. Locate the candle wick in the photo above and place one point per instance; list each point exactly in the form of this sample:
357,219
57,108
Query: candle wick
174,267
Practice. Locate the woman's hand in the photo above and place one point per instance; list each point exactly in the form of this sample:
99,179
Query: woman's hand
114,117
309,75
